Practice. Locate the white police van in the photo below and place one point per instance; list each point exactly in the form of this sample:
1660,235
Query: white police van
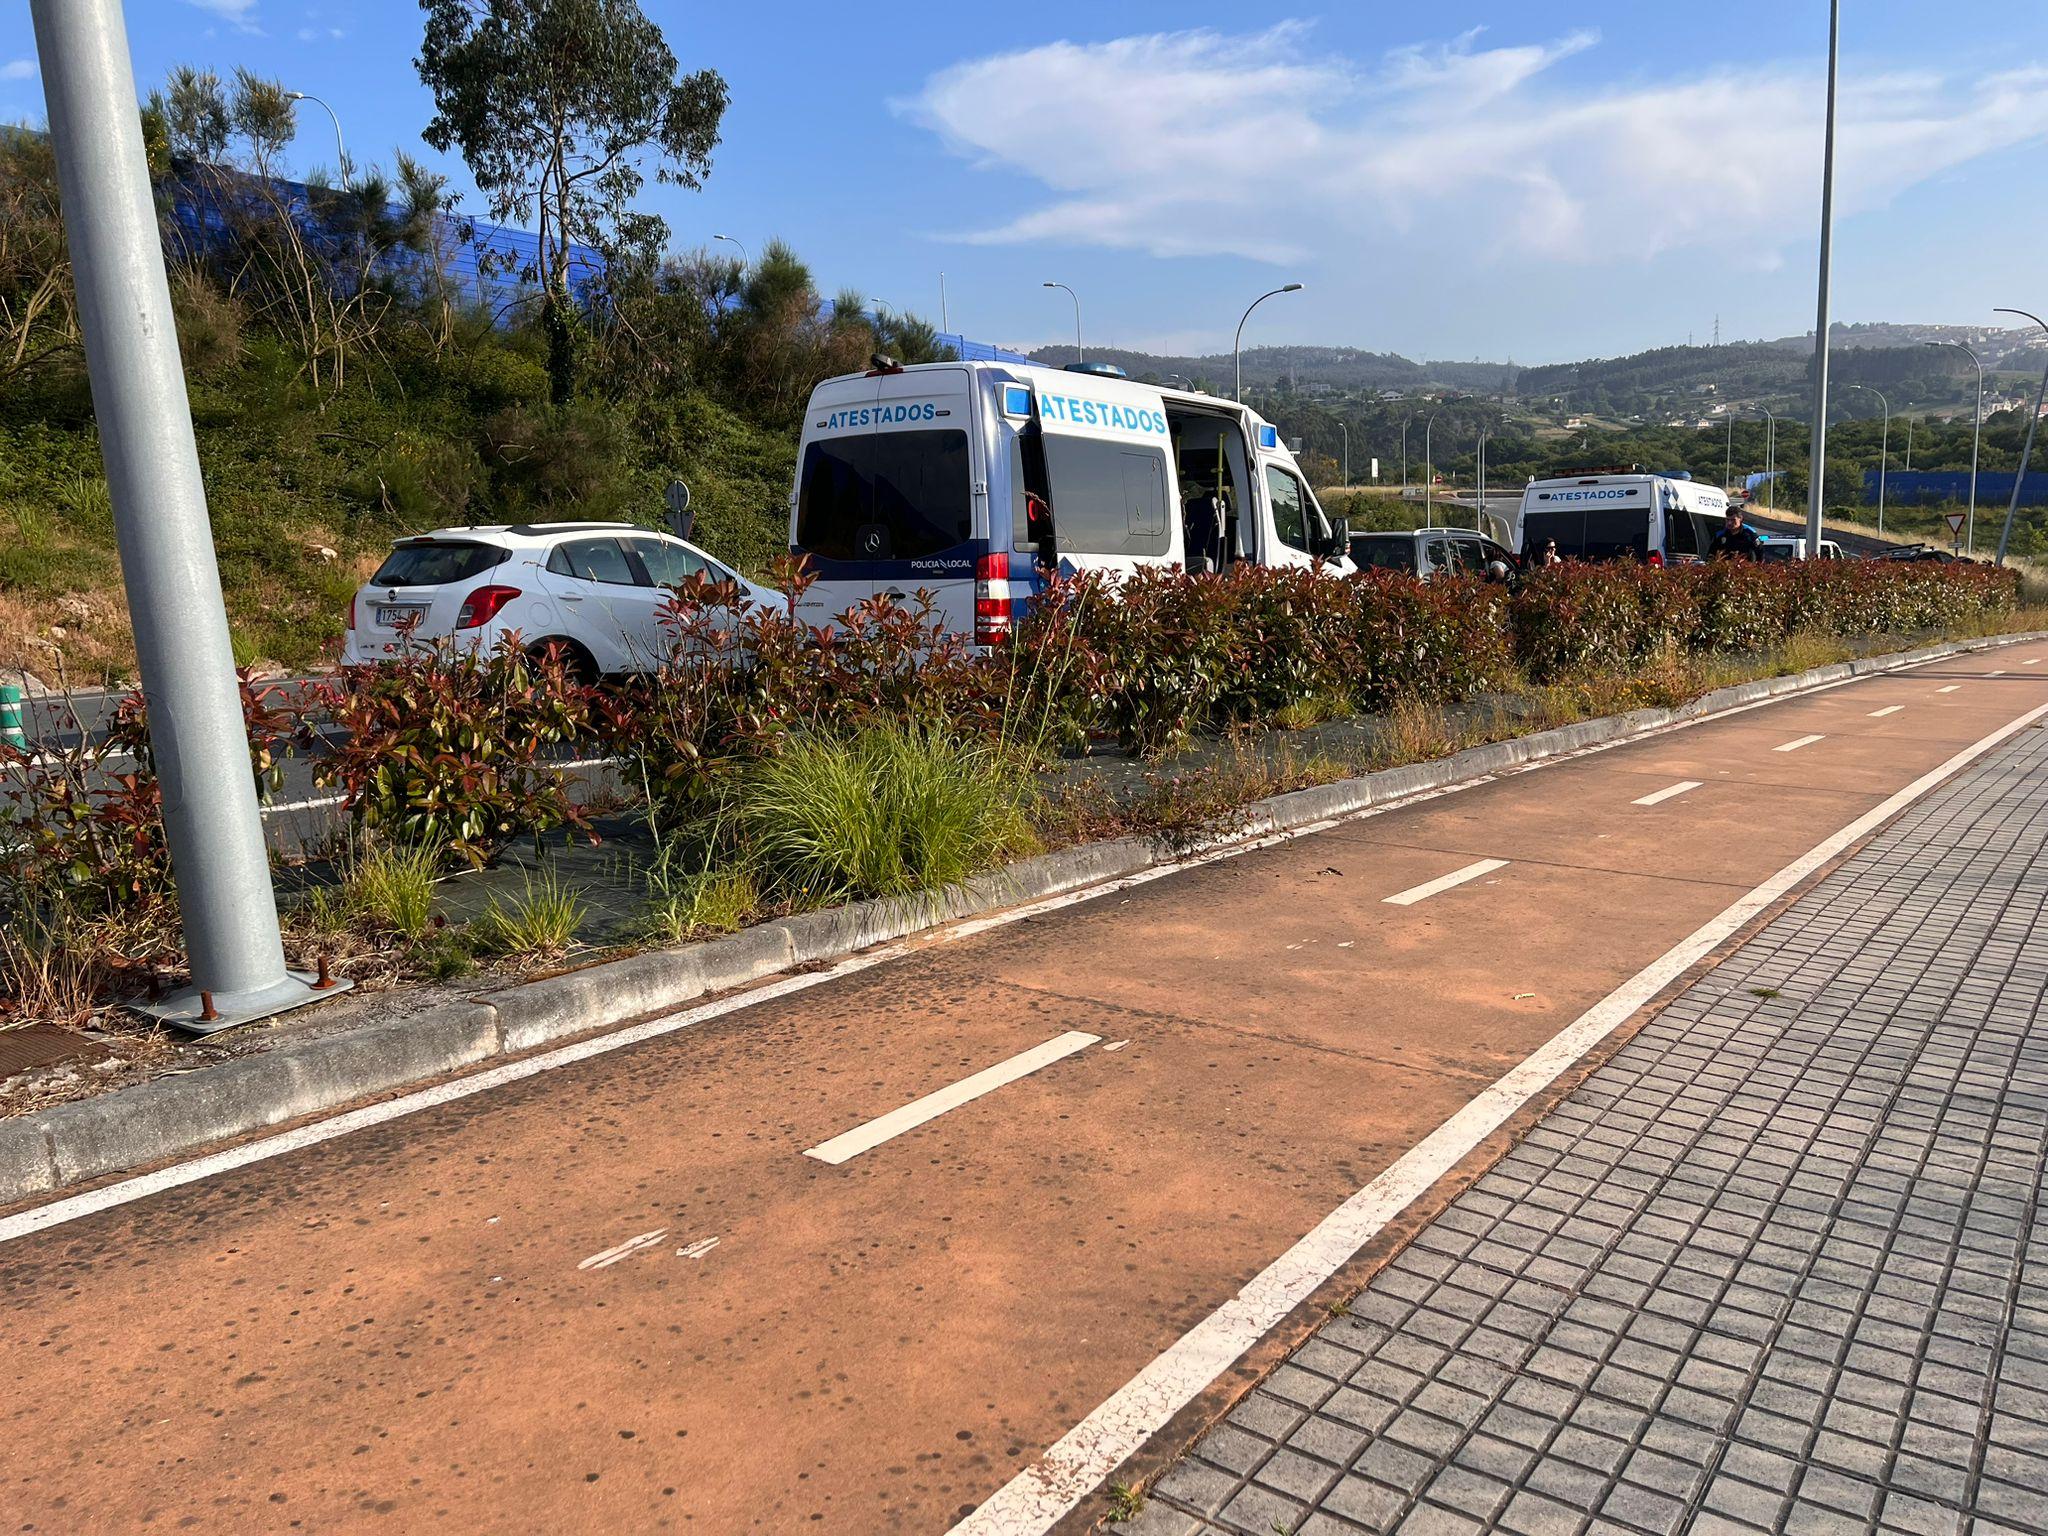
975,481
1614,515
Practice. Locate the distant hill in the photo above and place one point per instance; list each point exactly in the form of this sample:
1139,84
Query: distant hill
1665,382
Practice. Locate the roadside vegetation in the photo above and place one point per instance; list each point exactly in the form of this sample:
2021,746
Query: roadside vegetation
775,768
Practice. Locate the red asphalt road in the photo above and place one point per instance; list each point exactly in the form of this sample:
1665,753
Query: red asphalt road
392,1329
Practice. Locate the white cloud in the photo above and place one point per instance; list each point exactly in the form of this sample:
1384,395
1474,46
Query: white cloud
1197,143
242,13
17,69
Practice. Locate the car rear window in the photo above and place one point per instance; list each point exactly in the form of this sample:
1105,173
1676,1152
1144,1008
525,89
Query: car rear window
885,496
436,563
1384,554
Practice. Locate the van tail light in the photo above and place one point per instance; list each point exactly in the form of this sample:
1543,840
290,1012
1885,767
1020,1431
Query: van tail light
992,598
1657,558
482,605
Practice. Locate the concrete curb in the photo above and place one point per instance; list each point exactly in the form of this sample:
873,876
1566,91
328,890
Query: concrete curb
169,1117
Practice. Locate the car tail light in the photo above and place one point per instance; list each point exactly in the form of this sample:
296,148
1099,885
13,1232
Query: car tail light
1657,558
482,605
992,598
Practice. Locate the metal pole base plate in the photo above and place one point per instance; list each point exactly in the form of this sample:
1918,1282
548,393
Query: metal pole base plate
184,1010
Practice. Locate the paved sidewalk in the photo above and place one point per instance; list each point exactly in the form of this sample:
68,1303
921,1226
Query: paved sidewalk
1776,1266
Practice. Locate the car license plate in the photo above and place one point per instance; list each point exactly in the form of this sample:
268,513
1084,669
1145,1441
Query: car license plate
396,615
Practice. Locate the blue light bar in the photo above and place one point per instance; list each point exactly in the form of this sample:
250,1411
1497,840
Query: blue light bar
1016,400
1269,437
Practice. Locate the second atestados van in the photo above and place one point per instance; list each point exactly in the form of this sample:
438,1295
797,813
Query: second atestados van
1615,515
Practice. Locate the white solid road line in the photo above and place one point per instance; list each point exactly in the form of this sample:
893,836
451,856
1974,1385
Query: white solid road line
143,1186
1996,672
1889,709
1797,742
1030,1503
1951,688
1669,792
2031,661
625,1250
883,1128
1456,877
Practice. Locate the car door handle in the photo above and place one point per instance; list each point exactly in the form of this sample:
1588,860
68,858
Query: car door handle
894,596
570,597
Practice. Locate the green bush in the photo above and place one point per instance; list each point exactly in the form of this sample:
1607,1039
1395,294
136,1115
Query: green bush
893,810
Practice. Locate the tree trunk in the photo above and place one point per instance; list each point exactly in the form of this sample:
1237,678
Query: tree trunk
556,324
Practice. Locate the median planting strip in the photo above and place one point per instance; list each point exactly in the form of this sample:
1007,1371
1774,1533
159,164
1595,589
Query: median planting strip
173,1116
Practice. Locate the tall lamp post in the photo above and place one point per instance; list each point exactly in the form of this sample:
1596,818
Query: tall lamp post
1770,459
1081,354
1884,444
1479,484
1237,346
746,260
340,149
1728,470
1429,469
1976,438
1341,427
1406,422
198,738
2026,452
1816,488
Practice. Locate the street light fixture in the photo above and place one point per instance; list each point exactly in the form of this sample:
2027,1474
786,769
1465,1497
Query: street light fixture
746,259
1237,346
1341,427
1082,354
1883,450
2027,452
339,148
1976,438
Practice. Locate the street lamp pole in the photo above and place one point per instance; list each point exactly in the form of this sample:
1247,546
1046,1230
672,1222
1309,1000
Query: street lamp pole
1883,450
746,260
1976,438
1237,345
1479,484
1429,469
1080,351
1406,422
2026,452
1770,459
1341,427
340,149
1728,471
199,741
1816,486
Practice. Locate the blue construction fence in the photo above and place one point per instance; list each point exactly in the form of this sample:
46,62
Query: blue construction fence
484,264
1919,487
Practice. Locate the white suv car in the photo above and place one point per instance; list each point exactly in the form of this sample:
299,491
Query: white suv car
596,589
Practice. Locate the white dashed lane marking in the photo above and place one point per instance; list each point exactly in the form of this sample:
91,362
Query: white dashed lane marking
1889,709
1797,742
1456,877
1669,792
1951,688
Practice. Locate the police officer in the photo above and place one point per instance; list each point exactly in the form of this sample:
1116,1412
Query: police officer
1736,540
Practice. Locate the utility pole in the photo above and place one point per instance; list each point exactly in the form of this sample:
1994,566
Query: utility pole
197,738
1816,487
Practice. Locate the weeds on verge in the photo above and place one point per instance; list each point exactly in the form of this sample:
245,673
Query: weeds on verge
388,890
709,901
1126,1500
541,920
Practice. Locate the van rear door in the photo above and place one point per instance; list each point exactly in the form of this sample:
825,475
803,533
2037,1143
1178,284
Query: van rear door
885,494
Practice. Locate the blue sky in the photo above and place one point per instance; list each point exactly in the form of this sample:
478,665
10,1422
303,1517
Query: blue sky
1469,179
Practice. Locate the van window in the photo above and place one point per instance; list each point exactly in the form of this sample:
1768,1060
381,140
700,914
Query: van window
1681,533
1591,533
1290,507
1107,499
885,496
